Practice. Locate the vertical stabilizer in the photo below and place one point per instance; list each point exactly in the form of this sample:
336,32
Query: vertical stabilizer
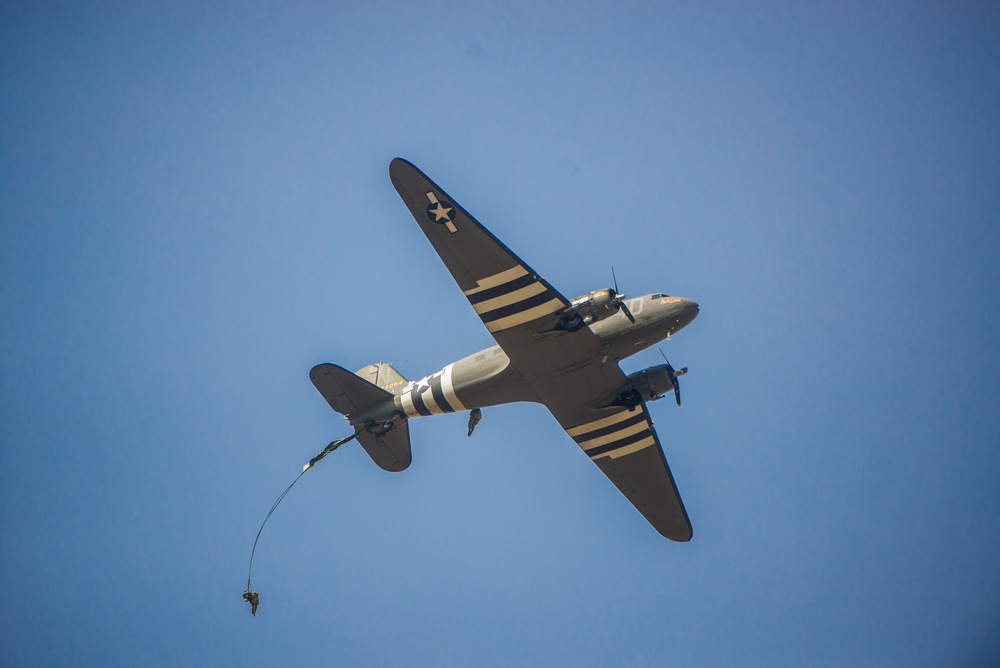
384,376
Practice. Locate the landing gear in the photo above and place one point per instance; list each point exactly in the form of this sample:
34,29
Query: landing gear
383,428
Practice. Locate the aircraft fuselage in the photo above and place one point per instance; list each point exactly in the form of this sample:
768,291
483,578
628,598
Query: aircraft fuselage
487,378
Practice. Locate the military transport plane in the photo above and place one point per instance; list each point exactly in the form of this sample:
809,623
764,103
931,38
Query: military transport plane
562,353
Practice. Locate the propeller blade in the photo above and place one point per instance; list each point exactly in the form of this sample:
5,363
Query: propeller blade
620,298
628,314
673,375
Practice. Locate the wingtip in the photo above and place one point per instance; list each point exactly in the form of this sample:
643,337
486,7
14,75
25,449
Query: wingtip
684,537
398,168
398,163
676,534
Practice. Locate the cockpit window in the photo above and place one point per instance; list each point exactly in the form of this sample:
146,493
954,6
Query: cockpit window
659,295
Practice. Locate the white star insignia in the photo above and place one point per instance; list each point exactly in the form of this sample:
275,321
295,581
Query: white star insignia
441,212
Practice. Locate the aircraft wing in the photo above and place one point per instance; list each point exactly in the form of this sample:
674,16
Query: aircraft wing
624,445
516,304
569,371
504,291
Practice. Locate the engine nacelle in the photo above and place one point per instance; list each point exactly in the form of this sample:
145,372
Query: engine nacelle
589,308
646,385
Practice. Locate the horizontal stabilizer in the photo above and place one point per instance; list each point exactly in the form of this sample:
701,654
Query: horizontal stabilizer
391,450
346,393
354,397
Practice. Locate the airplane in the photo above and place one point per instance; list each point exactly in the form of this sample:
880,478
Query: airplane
561,353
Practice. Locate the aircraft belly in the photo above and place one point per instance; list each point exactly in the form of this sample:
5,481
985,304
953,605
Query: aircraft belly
483,379
490,381
628,344
620,345
506,388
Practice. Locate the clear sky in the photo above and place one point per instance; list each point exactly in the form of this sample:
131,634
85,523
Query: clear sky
195,209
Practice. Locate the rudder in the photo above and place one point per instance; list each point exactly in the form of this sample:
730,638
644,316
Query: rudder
384,376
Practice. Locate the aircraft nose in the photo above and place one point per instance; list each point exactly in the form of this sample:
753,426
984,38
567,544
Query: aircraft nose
689,310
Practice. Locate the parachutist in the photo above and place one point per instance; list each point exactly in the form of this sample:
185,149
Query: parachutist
250,596
475,415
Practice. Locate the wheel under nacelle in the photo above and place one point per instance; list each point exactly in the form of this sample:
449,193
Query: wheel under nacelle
649,385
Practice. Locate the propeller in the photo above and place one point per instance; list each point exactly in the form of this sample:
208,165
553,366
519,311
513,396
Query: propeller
673,376
620,299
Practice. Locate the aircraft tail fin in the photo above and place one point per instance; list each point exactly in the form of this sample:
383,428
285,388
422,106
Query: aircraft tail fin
383,375
352,396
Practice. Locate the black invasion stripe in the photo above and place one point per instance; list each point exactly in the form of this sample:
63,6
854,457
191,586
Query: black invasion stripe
618,426
517,307
438,393
501,290
614,445
418,403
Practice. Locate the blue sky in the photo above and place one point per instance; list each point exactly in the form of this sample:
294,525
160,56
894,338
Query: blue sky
195,209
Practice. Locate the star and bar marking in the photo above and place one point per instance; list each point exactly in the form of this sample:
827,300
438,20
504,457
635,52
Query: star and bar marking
440,211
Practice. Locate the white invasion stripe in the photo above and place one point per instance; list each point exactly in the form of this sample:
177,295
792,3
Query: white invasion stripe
448,387
635,447
429,402
509,298
406,398
525,316
616,436
620,416
428,397
498,279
